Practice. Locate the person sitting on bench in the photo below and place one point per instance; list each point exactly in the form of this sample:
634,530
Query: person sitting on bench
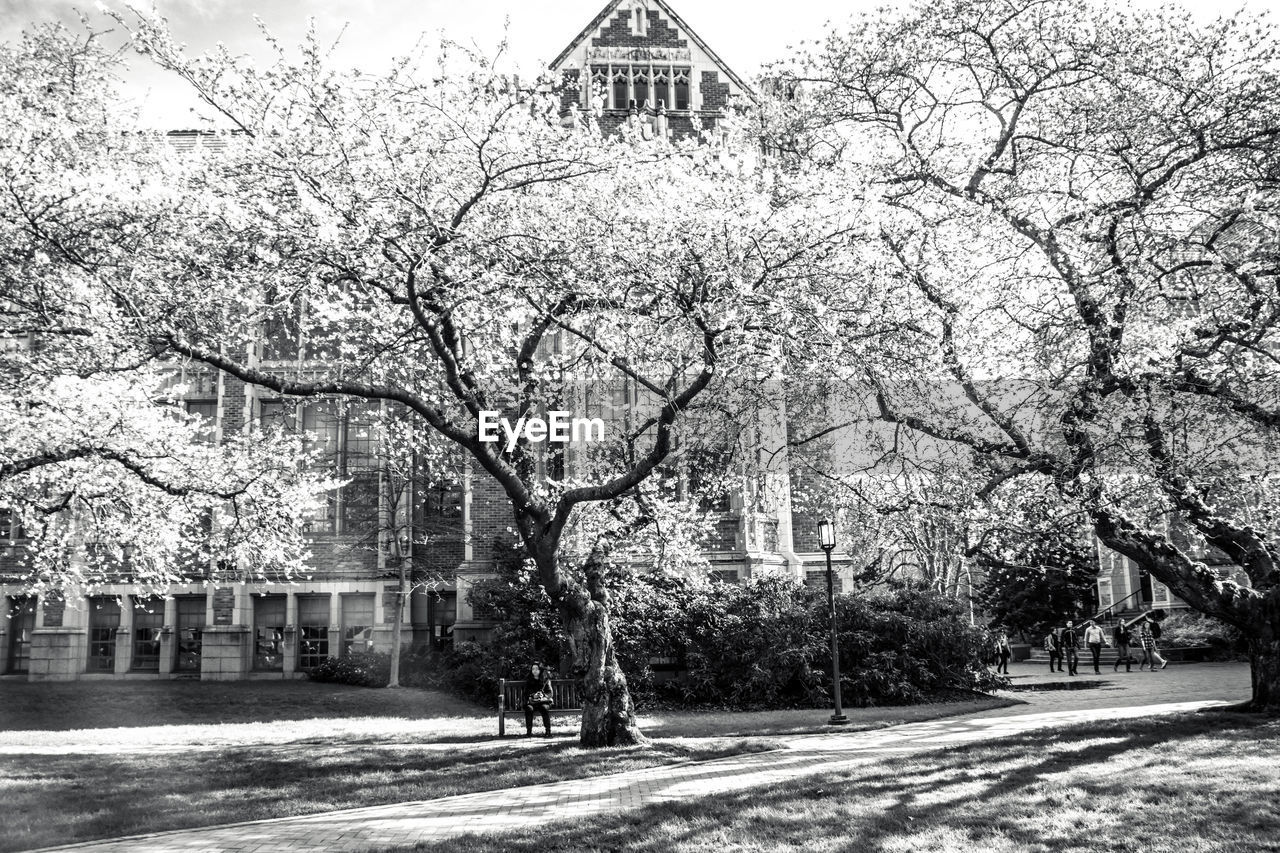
537,696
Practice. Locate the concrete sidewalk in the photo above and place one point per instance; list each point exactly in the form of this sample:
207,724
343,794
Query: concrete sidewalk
494,811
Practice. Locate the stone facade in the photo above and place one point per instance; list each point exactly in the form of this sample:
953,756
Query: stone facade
638,63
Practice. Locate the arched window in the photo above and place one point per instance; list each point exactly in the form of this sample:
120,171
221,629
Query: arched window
641,87
682,89
661,87
621,95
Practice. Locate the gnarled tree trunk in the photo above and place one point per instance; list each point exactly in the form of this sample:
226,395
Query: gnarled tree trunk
608,715
1264,655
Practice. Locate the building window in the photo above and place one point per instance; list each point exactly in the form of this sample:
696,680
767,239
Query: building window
22,622
189,630
724,575
682,89
268,632
10,529
313,630
344,437
148,622
207,411
104,619
641,84
282,332
357,624
707,480
443,613
621,93
661,89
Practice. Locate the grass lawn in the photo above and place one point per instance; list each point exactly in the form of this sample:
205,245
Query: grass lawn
1207,783
96,760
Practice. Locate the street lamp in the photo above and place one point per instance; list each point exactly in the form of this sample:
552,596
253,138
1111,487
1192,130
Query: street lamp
827,539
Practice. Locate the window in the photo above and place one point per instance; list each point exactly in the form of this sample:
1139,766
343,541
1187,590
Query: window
442,500
104,619
621,96
268,632
359,499
148,621
22,622
344,437
189,629
708,472
724,575
10,529
641,84
207,411
444,612
622,83
682,89
357,624
282,333
313,630
661,89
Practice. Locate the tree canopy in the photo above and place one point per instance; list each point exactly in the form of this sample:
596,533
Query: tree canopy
1079,204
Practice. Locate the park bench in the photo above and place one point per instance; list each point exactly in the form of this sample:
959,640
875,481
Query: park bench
566,696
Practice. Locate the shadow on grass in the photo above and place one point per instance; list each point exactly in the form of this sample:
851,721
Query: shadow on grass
1197,782
64,798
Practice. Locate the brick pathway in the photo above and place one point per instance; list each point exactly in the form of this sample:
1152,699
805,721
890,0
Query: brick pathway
1120,696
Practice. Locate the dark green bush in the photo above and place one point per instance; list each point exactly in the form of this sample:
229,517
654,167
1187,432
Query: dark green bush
906,645
1189,628
760,644
368,669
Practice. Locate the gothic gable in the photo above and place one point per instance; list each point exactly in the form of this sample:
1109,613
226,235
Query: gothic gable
638,59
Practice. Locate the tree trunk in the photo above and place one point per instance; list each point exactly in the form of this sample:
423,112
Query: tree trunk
608,715
1264,655
397,629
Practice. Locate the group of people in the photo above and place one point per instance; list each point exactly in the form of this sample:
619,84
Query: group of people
1062,644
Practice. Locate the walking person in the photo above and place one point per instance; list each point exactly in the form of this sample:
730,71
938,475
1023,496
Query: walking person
1146,634
1070,640
1094,638
537,697
1003,652
1053,645
1123,636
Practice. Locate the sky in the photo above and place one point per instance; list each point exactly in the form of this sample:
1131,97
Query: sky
744,33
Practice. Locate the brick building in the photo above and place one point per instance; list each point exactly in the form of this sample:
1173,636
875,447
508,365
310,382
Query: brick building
637,61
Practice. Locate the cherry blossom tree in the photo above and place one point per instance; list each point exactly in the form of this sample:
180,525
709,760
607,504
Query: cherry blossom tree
101,470
1080,205
437,242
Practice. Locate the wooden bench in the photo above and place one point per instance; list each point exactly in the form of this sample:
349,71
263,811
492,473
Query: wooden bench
566,695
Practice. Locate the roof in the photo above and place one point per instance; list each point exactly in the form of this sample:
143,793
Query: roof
612,7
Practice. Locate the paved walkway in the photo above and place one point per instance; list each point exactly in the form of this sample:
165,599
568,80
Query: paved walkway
1119,696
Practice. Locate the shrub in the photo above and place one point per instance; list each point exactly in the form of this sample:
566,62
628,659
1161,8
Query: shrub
906,645
368,669
760,644
1189,628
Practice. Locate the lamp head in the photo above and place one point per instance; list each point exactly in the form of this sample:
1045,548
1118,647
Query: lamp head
826,535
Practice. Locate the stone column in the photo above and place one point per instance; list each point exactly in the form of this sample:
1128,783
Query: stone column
290,634
168,636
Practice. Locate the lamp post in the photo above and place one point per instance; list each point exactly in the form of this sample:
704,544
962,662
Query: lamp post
827,539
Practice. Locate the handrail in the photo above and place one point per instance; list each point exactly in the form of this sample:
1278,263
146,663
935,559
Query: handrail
1113,606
